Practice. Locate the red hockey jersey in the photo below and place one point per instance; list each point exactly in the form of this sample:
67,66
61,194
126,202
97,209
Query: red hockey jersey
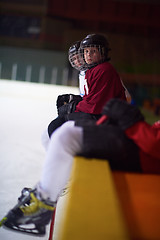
147,138
101,84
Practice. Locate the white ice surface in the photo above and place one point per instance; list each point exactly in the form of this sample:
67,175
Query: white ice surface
25,111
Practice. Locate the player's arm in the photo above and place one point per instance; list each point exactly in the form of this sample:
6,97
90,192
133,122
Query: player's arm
146,137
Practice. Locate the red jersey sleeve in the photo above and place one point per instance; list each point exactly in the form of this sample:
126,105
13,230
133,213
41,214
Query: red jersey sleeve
146,137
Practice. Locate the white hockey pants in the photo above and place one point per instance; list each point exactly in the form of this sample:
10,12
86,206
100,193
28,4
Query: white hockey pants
64,144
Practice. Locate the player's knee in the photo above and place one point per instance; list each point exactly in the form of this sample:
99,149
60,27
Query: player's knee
69,137
63,133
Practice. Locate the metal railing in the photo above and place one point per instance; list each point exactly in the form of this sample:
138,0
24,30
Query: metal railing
56,75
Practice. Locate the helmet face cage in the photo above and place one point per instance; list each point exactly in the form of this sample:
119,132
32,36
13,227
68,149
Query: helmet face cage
76,61
76,58
93,55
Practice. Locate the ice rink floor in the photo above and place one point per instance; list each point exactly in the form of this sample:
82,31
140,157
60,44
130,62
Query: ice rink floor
25,111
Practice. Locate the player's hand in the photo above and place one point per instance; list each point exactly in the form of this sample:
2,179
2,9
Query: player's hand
66,109
122,113
62,99
67,98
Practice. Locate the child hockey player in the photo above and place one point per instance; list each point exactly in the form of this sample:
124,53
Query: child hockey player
137,149
78,58
77,62
102,83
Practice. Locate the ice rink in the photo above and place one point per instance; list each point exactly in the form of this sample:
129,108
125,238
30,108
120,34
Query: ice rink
25,111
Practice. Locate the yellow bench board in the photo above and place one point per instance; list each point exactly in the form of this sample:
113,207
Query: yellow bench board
92,211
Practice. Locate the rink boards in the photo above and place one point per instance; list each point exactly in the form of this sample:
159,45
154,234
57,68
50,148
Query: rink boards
101,204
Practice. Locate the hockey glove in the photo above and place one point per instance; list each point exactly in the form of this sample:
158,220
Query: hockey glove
67,98
67,108
122,113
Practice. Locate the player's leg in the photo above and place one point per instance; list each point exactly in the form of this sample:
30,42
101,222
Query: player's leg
37,205
65,143
56,123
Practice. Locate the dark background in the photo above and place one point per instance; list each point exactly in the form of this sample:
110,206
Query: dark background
38,33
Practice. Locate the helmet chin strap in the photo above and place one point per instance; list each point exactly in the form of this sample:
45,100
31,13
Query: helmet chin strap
95,64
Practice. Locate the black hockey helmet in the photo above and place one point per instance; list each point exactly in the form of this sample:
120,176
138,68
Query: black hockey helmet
96,40
99,41
74,48
75,56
